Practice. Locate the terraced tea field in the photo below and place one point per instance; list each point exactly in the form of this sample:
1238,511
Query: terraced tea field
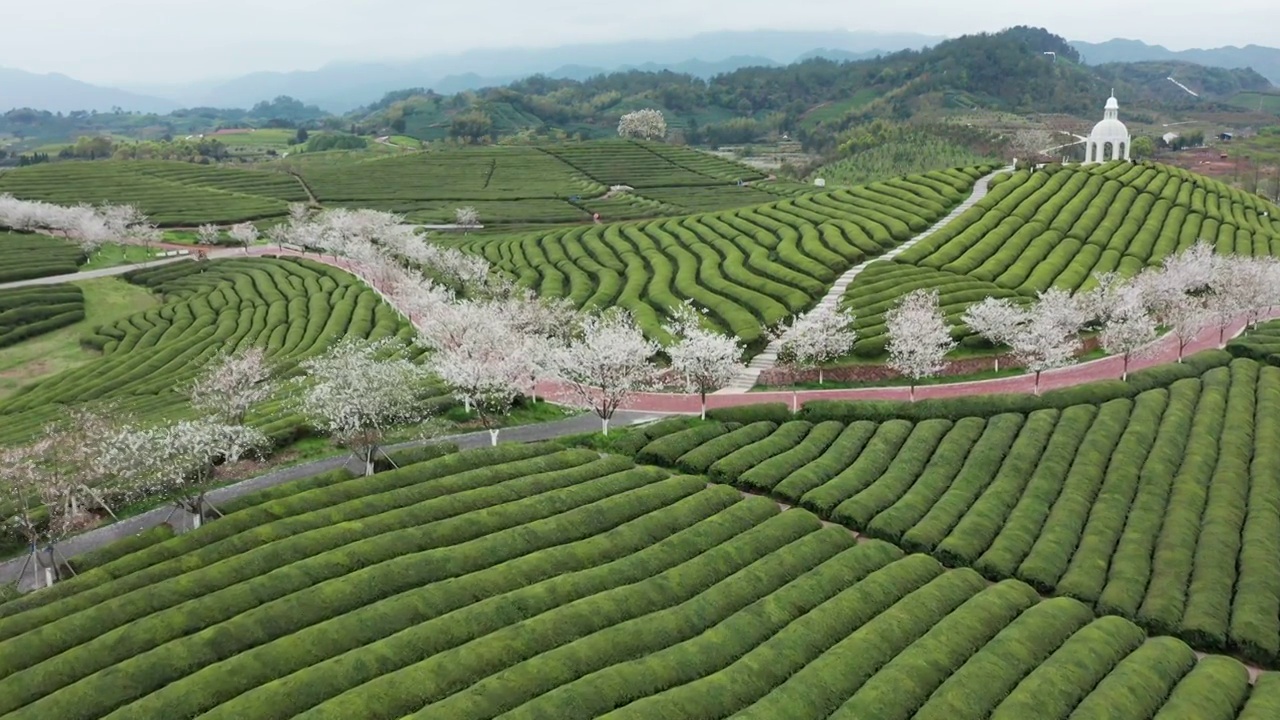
748,268
1160,506
25,256
532,582
171,193
295,308
561,183
1039,230
28,312
516,184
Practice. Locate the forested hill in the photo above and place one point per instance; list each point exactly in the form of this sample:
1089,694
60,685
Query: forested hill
1021,69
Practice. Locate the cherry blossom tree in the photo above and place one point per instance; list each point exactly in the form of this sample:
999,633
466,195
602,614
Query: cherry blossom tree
1128,329
1178,293
207,234
244,233
816,337
705,361
918,337
359,391
487,368
466,217
647,124
176,461
1043,336
55,482
232,384
994,319
40,495
607,364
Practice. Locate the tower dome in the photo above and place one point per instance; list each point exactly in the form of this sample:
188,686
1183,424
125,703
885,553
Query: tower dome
1110,138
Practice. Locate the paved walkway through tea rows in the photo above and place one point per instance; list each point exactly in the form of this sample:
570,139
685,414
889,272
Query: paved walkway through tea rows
769,356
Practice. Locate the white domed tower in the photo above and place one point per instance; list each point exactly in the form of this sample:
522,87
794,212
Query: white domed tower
1110,138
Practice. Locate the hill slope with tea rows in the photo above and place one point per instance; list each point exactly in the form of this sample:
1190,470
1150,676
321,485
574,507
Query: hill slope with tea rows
533,582
747,268
1037,230
1157,500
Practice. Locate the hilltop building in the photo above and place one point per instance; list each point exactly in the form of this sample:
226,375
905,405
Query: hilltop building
1110,138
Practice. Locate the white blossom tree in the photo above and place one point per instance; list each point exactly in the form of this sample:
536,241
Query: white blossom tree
1043,336
918,337
359,390
704,360
176,461
1128,329
244,233
41,497
488,368
816,337
232,384
647,124
1178,293
607,364
466,217
207,234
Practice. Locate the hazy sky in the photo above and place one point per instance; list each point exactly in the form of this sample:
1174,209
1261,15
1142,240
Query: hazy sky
148,41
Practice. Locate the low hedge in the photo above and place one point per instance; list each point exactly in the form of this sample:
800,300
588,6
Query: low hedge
665,450
774,412
730,467
409,456
697,460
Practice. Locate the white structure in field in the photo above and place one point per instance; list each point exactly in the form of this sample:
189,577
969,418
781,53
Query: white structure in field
1110,138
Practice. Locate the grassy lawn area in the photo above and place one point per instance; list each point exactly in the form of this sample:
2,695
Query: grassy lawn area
105,300
111,255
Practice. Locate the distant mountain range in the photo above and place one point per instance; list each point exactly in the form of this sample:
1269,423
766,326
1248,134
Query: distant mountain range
340,87
1264,60
59,93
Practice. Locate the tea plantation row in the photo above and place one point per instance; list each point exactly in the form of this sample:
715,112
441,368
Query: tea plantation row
24,256
1162,507
532,582
748,268
1039,230
295,308
28,312
560,183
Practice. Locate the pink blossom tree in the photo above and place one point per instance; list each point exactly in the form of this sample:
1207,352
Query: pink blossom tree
918,337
